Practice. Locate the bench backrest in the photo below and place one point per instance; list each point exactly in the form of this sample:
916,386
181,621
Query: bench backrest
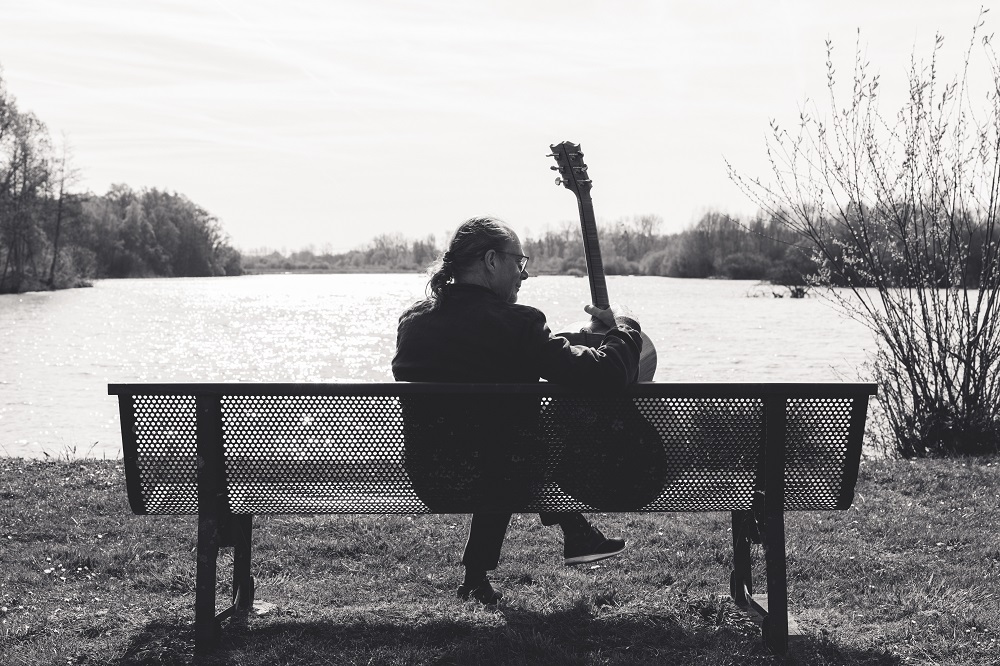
456,448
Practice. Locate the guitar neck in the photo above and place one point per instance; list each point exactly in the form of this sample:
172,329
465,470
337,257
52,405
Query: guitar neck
573,176
592,252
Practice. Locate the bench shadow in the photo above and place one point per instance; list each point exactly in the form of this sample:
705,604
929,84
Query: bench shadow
570,636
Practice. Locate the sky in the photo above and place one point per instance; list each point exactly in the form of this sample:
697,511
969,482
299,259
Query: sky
324,124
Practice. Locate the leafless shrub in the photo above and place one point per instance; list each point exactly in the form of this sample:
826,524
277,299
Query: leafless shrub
901,214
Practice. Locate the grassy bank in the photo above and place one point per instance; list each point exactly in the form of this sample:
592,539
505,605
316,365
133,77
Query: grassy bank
908,576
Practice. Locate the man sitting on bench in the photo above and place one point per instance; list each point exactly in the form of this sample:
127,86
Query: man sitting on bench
470,329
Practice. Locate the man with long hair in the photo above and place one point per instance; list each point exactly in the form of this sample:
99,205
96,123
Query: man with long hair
471,329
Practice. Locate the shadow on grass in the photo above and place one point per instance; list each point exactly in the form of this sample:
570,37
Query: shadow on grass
509,636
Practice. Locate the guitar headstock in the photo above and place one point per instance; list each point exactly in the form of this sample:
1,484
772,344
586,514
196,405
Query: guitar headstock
571,167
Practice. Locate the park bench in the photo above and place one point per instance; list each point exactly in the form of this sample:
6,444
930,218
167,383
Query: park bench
228,451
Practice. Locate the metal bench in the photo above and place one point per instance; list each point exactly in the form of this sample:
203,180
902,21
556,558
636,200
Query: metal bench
228,451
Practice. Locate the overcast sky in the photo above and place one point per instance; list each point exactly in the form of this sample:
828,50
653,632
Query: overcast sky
327,123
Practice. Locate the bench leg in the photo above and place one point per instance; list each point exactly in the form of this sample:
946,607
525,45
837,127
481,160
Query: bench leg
215,533
206,631
741,579
211,520
770,612
775,626
242,528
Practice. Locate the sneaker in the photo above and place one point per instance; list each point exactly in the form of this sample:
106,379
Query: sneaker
590,546
482,592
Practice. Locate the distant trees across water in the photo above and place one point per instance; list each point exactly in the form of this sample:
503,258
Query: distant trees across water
716,246
52,237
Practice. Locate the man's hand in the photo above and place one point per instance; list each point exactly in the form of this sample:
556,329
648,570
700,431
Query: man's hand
605,316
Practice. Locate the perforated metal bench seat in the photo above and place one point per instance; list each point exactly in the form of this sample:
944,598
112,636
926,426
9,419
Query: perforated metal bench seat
228,451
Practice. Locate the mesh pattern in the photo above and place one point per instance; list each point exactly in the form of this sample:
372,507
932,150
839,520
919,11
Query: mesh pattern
815,451
316,454
166,452
713,446
455,453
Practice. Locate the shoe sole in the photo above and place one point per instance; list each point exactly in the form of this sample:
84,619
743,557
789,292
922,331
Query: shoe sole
593,557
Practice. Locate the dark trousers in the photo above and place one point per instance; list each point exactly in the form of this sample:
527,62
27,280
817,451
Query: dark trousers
482,550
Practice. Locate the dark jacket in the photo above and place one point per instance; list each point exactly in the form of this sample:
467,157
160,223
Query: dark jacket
464,449
472,335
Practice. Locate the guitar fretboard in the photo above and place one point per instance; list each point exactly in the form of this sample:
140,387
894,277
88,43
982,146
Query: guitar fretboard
592,251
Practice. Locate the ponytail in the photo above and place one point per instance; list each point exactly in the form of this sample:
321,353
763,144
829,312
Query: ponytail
444,273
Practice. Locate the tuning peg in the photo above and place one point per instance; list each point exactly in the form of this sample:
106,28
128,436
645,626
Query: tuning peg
560,181
556,168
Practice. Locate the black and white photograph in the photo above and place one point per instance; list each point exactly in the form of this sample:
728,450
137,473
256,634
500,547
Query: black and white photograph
499,333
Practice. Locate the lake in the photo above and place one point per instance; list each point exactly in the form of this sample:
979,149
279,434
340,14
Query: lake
61,349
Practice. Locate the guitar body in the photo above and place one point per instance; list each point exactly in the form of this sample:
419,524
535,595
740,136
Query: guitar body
573,175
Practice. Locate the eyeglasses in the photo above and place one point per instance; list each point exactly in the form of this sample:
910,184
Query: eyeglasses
522,261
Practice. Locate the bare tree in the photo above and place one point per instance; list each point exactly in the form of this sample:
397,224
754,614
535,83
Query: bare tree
902,211
63,177
24,175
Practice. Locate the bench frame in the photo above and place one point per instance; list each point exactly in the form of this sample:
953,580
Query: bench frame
762,524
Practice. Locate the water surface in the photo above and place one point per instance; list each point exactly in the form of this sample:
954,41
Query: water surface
61,349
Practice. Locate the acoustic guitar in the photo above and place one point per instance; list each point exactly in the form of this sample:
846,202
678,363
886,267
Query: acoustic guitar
622,449
573,175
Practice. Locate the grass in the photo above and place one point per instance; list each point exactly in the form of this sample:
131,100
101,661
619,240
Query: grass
907,576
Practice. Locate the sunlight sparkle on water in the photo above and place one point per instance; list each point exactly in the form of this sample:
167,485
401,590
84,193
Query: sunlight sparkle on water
61,349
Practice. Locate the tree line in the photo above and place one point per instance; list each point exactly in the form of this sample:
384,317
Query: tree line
717,245
52,237
760,247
